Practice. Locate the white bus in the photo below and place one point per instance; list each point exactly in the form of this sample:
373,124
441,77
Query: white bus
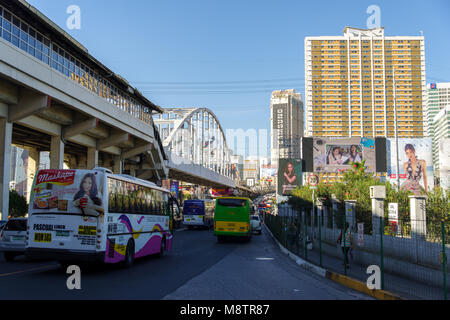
94,215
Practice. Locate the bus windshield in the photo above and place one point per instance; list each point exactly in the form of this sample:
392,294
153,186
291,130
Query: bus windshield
194,207
232,202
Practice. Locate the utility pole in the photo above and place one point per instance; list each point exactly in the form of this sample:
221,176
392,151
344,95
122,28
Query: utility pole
396,133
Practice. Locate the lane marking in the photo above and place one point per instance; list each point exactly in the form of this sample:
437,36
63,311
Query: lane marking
27,270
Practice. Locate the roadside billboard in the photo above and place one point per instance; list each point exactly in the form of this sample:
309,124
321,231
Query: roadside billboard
268,171
289,175
174,186
222,192
415,164
335,154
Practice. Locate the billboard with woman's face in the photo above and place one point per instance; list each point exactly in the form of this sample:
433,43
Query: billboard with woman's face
289,175
415,164
335,154
68,191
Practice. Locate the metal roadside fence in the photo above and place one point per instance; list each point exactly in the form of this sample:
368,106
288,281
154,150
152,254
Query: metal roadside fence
411,255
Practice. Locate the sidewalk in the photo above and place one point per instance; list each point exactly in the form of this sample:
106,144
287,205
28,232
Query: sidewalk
404,288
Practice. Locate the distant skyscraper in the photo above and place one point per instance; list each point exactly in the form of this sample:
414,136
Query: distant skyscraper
286,118
349,84
437,98
251,171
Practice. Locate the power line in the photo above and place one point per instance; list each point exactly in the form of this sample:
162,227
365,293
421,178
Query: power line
218,82
166,92
223,87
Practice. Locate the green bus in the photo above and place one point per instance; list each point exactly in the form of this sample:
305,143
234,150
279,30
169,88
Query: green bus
232,217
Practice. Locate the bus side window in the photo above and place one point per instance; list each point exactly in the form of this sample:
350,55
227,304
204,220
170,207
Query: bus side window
119,196
111,195
147,200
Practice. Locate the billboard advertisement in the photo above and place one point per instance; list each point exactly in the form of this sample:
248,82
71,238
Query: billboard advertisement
444,163
335,154
415,164
174,186
289,175
222,192
268,171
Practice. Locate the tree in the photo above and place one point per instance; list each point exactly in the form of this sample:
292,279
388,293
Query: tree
18,206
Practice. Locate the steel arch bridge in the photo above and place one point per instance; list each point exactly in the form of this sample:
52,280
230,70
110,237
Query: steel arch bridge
195,135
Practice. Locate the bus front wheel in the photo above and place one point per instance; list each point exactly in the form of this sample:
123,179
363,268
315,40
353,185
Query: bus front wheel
162,250
129,254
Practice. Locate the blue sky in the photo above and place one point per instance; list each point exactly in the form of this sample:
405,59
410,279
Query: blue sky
183,53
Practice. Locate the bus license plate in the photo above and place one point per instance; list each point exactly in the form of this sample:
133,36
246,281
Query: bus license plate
42,237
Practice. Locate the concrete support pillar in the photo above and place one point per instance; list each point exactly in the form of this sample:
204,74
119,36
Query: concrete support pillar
92,158
350,214
73,164
132,171
33,168
118,165
321,212
334,210
377,194
5,166
56,153
418,217
377,212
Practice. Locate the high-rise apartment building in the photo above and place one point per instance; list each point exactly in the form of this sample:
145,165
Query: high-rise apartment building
437,98
441,138
350,84
286,124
